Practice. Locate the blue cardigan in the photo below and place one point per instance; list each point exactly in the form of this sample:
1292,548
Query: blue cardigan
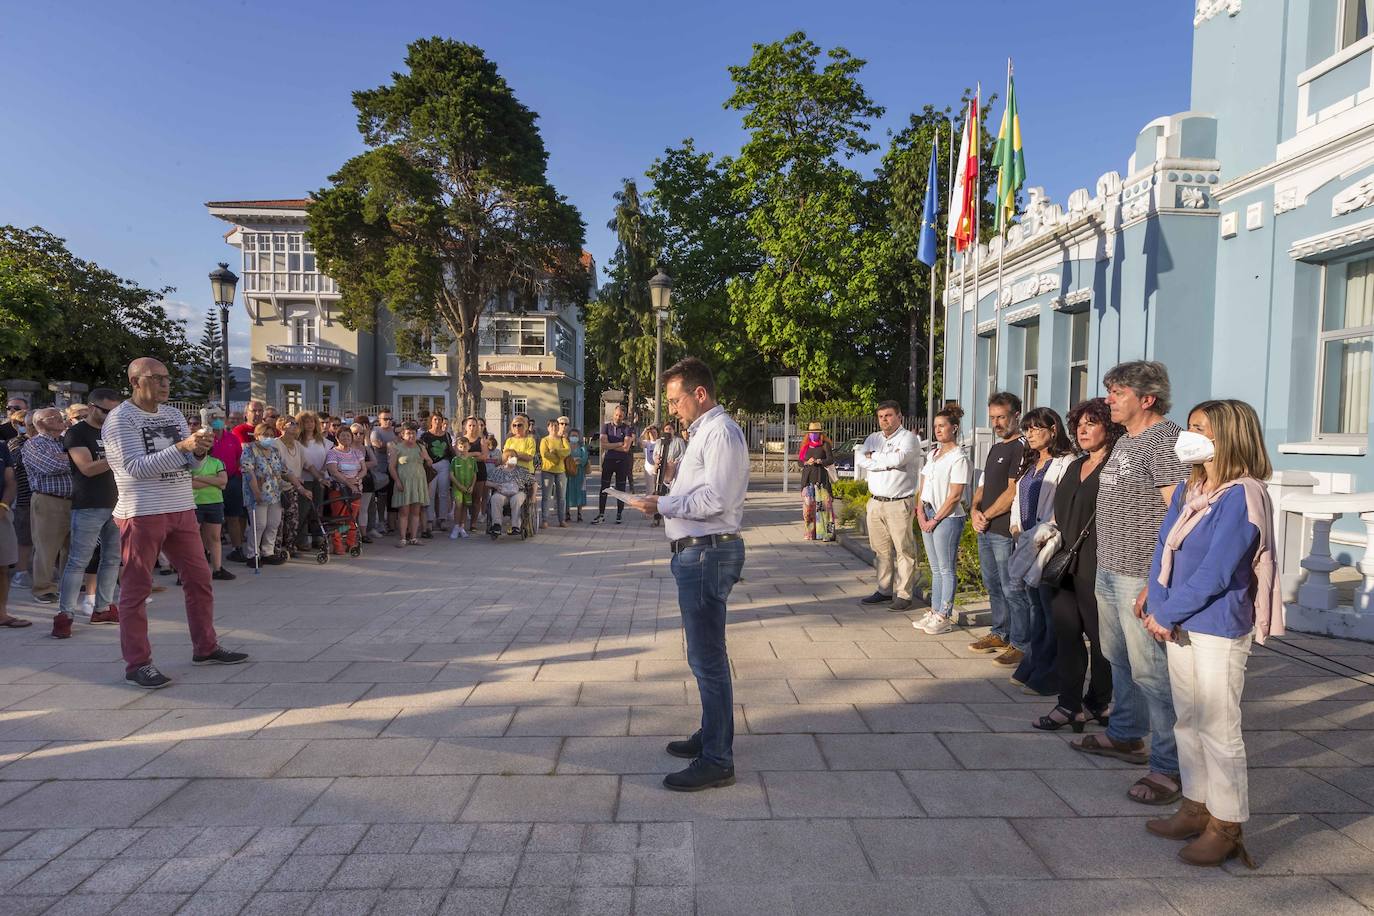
1212,581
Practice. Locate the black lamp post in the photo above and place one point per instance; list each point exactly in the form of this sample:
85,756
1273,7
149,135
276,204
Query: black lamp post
661,294
223,283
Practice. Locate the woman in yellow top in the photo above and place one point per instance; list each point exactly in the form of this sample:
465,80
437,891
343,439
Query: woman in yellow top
553,450
521,441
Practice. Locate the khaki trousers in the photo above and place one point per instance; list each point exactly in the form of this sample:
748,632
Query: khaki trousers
891,536
51,518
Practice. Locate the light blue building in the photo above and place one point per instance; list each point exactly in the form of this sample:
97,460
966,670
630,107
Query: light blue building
1238,248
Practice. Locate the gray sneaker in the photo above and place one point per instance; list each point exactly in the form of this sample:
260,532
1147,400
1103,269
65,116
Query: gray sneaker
21,579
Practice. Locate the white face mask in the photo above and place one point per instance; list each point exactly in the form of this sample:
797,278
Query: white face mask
1194,448
512,462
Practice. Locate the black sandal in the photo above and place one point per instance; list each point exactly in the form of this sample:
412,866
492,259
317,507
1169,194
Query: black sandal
1100,716
1049,724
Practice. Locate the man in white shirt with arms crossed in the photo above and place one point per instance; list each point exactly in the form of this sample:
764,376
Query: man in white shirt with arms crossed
703,516
892,459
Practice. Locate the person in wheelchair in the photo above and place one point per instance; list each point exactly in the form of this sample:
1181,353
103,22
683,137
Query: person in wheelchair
509,485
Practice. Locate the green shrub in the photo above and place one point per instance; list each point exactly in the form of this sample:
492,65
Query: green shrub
847,489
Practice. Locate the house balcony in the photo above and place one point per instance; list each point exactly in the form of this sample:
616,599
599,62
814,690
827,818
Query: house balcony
544,365
308,356
438,366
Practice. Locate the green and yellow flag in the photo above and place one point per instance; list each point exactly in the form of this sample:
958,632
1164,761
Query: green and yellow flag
1010,162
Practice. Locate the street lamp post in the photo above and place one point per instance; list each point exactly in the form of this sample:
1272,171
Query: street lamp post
223,283
661,292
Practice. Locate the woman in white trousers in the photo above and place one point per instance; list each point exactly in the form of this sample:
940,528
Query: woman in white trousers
1213,589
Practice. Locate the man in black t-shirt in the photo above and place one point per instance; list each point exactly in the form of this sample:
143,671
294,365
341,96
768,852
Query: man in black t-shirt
93,501
1010,606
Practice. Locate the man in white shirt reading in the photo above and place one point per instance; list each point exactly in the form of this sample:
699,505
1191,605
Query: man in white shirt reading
703,515
892,459
149,446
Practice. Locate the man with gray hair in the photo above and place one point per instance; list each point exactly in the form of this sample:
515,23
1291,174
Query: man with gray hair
1137,483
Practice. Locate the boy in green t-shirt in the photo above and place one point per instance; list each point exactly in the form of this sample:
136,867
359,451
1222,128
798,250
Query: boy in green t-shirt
208,480
462,471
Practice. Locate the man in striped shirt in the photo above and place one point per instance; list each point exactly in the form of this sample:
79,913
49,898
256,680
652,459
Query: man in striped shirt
50,478
149,447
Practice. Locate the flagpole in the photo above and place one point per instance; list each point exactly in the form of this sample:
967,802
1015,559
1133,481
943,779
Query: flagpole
949,268
1001,220
930,342
977,145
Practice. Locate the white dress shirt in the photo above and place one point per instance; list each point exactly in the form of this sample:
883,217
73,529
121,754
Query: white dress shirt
712,478
896,463
939,472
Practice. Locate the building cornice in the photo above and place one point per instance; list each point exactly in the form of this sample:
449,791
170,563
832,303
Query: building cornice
1268,174
1334,240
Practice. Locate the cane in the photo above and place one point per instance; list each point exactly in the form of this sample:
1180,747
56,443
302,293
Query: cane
257,543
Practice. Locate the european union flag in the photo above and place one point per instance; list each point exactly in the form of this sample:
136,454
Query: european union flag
925,252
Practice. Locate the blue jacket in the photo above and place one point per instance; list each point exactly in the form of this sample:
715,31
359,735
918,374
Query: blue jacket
1212,581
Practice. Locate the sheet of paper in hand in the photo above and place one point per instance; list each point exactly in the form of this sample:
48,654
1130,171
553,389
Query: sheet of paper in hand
621,495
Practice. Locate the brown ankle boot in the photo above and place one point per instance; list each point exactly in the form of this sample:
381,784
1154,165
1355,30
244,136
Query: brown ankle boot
1187,822
1221,841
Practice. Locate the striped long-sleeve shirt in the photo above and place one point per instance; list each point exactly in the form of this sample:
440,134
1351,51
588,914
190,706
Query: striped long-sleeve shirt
49,470
152,474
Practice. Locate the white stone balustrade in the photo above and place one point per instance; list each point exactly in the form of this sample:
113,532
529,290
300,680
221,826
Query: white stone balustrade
1316,607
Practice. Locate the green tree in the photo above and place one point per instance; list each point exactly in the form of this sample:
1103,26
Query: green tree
620,324
64,318
203,378
814,291
449,212
700,205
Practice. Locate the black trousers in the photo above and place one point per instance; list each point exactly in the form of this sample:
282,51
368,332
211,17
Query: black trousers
615,464
1075,616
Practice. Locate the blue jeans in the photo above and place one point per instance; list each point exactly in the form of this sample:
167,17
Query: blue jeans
551,495
1037,670
1011,611
91,527
704,577
942,552
1142,701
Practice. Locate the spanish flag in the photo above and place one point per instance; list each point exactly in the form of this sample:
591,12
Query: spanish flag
963,206
1010,162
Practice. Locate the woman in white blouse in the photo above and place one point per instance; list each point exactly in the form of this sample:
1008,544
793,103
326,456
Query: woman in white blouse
941,515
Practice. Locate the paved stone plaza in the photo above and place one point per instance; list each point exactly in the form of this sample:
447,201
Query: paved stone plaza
477,728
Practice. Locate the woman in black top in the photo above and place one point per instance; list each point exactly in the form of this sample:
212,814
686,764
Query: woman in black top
617,438
477,447
1074,604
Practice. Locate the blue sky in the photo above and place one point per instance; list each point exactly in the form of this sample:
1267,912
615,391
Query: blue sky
123,118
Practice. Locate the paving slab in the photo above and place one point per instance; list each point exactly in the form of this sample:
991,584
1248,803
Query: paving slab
390,799
987,848
542,798
88,803
265,802
752,852
856,793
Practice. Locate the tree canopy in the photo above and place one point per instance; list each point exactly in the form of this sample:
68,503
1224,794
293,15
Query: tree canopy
449,210
63,318
787,259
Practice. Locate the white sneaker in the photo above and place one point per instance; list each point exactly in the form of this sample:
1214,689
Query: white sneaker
21,579
938,624
921,624
463,533
454,535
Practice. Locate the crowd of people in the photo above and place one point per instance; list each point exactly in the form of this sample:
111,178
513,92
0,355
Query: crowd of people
1129,564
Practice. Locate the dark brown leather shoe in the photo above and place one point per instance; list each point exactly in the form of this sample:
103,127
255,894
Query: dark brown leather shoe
1187,822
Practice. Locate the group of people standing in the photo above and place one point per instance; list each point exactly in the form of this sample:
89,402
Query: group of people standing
1129,565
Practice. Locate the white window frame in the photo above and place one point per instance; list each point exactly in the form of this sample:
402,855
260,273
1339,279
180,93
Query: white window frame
329,403
1347,23
281,398
1030,377
282,262
524,328
1079,367
990,375
520,405
308,323
1326,337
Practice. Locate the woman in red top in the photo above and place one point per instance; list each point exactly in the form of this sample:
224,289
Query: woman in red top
228,449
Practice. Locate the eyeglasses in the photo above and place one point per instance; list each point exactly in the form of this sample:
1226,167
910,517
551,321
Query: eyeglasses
672,402
158,379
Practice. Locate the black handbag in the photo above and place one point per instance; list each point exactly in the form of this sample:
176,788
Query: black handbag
1060,566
